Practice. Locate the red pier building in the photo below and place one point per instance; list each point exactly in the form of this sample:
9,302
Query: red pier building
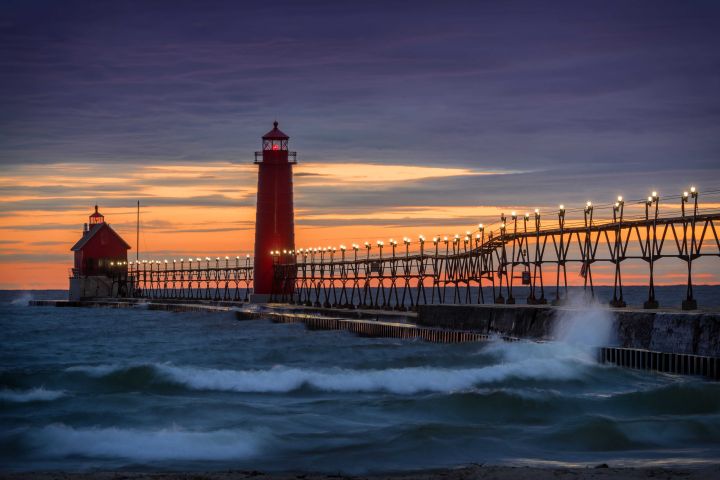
275,218
100,256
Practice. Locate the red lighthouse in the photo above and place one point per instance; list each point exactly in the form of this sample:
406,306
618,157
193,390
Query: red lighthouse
274,221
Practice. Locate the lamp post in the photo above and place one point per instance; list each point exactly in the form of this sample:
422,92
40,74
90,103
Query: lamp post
585,270
651,246
618,212
618,208
513,259
502,265
690,250
561,261
537,267
588,213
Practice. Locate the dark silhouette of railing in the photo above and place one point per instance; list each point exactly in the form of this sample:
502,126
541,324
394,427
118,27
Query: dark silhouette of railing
192,279
456,270
487,265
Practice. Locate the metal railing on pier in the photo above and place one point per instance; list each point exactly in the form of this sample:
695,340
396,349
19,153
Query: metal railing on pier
192,279
522,249
491,264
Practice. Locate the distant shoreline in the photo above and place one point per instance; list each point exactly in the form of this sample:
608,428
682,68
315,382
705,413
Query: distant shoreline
464,473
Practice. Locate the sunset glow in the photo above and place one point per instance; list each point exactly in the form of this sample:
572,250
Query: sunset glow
191,210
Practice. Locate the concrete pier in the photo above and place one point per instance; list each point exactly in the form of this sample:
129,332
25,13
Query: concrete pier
681,332
678,342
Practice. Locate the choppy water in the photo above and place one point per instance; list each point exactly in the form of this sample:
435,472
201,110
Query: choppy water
137,389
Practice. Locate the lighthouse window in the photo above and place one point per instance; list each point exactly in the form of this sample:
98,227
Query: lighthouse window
275,145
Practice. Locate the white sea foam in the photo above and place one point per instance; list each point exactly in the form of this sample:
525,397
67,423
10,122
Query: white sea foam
577,333
395,380
568,358
585,324
38,394
521,360
166,444
96,371
23,299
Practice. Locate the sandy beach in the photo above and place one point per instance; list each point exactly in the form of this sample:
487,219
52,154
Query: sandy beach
464,473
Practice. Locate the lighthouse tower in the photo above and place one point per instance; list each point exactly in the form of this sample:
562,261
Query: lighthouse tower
274,221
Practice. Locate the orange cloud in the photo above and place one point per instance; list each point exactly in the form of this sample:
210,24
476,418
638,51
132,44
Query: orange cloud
208,210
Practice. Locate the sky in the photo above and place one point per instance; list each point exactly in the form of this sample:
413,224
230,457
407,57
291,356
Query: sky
408,117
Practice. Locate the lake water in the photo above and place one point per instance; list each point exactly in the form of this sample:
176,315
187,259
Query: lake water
99,389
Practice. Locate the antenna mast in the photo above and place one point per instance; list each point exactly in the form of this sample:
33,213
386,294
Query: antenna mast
137,234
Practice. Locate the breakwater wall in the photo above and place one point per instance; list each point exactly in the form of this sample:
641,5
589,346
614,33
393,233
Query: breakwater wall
371,328
689,333
678,363
629,357
672,342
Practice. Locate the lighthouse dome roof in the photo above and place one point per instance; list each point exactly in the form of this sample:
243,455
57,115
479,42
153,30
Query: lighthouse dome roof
275,133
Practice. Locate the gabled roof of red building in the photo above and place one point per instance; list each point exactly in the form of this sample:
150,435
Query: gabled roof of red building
94,231
275,133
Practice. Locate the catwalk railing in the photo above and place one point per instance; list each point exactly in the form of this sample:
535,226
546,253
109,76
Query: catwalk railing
530,254
195,279
522,248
